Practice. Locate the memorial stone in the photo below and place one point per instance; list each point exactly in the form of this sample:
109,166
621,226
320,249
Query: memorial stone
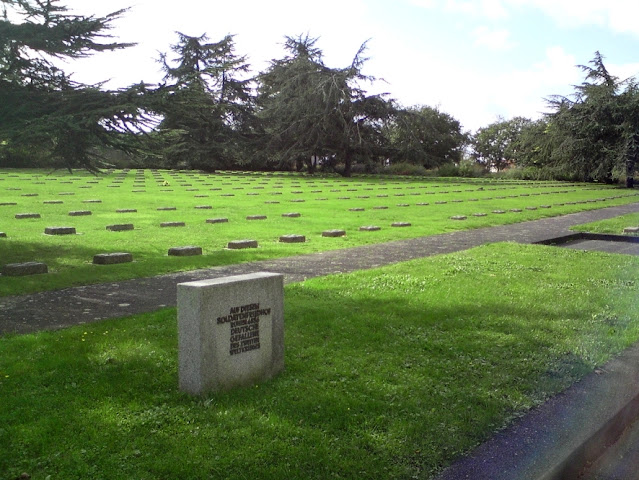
230,332
59,231
112,258
187,251
333,233
21,269
120,227
240,244
292,238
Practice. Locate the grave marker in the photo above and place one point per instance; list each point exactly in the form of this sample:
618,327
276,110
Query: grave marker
112,258
120,227
240,244
27,268
185,251
230,331
292,238
333,233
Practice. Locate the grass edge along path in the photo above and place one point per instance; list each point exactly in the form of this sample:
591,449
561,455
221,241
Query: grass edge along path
415,364
613,226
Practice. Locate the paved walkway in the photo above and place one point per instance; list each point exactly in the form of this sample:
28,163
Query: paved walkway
91,303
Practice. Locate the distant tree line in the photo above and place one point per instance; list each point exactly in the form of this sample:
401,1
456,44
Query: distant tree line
209,112
592,135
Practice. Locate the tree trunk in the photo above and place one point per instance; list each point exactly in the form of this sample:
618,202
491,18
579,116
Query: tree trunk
348,163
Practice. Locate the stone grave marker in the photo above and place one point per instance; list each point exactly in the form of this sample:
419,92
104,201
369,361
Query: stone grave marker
230,332
27,215
27,268
112,258
59,231
333,233
240,244
120,227
185,251
292,238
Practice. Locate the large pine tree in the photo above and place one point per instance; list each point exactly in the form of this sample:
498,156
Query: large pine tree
43,112
596,129
207,104
311,111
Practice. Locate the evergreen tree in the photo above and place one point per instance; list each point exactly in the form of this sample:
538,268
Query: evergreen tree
42,110
310,111
595,127
207,104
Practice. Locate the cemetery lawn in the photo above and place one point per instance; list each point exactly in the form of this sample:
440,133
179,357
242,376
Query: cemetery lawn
322,202
612,226
390,373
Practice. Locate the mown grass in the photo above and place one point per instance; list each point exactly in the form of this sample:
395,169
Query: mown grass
324,203
612,226
390,373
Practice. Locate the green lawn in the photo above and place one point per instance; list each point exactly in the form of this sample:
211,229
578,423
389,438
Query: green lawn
612,226
390,373
323,202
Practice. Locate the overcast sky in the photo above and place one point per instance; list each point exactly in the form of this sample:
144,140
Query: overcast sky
474,59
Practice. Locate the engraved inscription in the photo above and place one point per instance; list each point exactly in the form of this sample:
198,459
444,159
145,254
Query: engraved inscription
245,327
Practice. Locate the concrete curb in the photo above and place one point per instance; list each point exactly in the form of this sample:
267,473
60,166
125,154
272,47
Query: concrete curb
561,437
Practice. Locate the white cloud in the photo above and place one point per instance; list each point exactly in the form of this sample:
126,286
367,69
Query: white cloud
491,9
477,98
424,3
617,15
495,39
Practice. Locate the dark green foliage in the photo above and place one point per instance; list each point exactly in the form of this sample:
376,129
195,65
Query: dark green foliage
425,136
43,112
312,113
594,129
207,105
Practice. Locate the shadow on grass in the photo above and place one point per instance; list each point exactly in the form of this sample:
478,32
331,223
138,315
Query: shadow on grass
374,386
